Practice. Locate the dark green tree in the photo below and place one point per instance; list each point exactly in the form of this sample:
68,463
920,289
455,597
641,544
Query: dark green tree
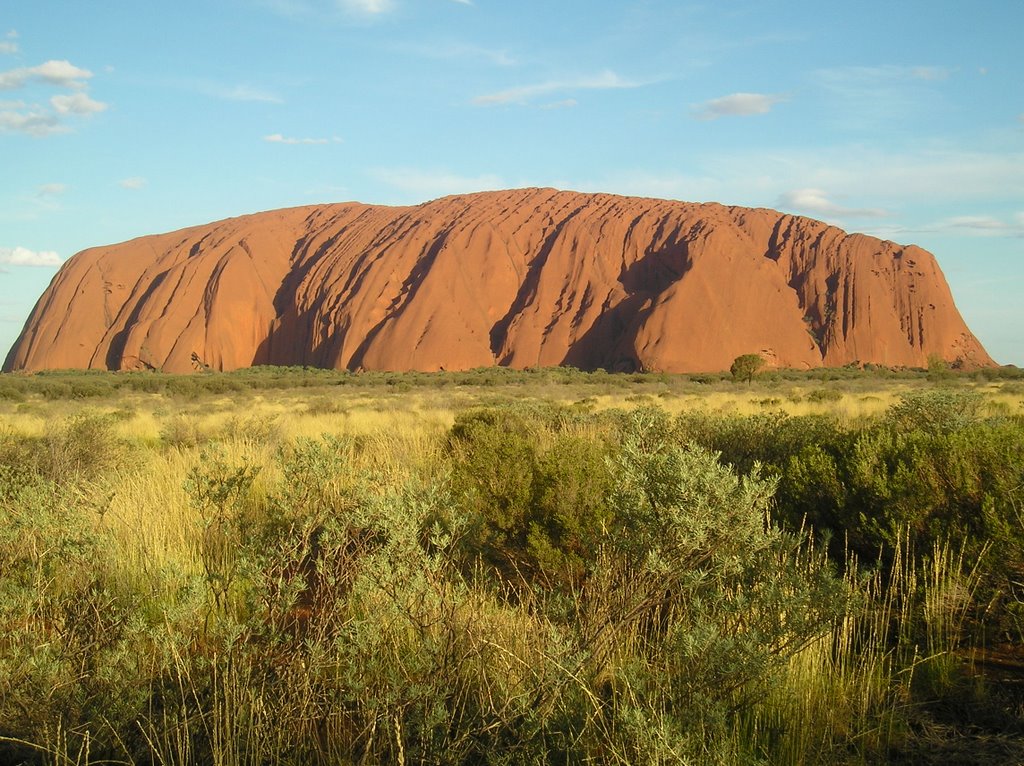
745,367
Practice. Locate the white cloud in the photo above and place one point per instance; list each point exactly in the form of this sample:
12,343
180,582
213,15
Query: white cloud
277,138
367,7
816,201
736,105
32,122
22,256
134,183
425,185
37,119
60,73
76,103
523,94
8,46
463,2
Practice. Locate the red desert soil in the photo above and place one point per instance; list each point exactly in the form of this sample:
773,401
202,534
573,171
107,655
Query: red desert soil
529,277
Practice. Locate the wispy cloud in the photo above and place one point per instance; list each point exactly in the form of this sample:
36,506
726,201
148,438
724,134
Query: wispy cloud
930,72
22,256
737,105
456,50
76,103
59,73
227,92
524,94
857,76
870,96
277,138
242,92
566,103
51,190
639,183
288,8
8,46
32,121
426,184
134,183
367,7
46,199
246,93
871,181
983,225
817,201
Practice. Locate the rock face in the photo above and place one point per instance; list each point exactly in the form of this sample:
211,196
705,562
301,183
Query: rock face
531,277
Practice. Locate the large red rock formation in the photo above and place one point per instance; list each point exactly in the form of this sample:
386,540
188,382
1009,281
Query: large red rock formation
523,278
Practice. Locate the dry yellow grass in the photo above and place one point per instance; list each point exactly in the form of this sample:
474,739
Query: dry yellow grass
154,531
150,522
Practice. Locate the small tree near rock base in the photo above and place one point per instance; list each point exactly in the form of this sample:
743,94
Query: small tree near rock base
745,367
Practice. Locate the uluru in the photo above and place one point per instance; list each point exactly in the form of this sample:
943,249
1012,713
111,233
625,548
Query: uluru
521,278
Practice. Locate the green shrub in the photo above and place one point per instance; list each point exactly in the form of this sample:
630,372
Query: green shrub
220,492
70,631
11,393
536,500
495,465
697,599
936,411
824,395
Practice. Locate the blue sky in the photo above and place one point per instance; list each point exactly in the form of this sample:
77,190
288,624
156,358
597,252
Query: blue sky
903,120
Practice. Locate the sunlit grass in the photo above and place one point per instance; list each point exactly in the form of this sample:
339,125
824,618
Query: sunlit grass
848,693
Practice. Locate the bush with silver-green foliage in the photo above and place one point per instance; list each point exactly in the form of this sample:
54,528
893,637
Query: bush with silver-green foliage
701,599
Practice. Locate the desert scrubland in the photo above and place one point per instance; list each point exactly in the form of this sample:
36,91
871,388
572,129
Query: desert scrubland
497,566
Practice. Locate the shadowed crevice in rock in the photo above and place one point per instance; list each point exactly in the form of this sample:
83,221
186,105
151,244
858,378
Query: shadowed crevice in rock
528,289
115,352
610,343
410,286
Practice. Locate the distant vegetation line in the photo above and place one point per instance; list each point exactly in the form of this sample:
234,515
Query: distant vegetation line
84,384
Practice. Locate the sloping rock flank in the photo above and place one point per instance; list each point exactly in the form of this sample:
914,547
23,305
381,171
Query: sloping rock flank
523,278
